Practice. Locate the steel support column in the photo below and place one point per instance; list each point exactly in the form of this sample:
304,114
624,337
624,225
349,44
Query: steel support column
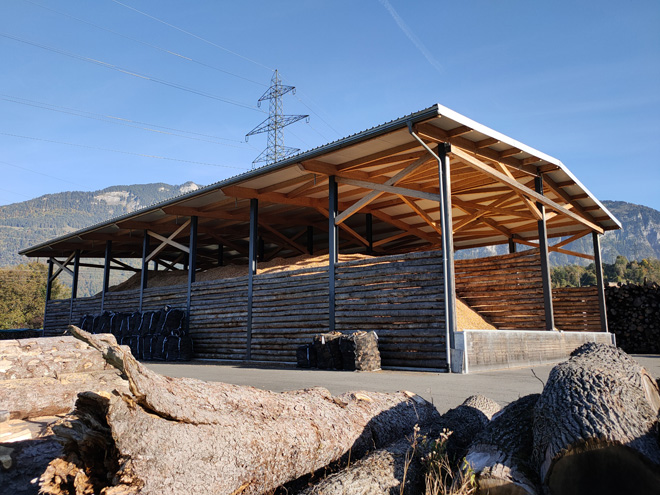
144,275
221,255
49,282
192,264
444,176
310,239
370,233
333,248
74,283
545,264
598,264
252,269
106,272
512,246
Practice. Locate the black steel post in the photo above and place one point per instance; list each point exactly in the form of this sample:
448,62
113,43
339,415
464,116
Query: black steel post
262,249
221,255
310,239
512,246
144,275
333,248
49,282
370,236
106,271
74,284
598,263
252,269
545,264
192,264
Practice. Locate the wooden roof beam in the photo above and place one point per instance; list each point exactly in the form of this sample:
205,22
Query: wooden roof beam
517,186
434,225
436,134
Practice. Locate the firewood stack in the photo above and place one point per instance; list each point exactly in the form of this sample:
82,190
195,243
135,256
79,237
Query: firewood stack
633,315
357,351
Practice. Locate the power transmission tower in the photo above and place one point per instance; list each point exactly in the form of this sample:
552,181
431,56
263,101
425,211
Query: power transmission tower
275,122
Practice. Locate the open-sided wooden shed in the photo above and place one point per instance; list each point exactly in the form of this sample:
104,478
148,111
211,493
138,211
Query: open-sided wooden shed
409,193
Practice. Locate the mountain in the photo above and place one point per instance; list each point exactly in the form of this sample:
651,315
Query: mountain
37,220
28,223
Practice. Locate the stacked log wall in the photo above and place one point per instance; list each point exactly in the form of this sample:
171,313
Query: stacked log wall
289,308
401,297
576,309
506,290
633,315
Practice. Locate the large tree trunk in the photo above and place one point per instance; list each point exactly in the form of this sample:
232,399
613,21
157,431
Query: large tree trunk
42,377
397,468
500,456
187,436
595,427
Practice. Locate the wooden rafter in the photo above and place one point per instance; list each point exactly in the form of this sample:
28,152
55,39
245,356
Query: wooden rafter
391,238
354,208
434,225
288,242
515,185
573,238
556,249
165,241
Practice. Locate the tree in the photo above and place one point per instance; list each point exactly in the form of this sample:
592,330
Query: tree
23,295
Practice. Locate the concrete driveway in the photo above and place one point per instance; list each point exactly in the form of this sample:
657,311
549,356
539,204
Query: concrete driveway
443,389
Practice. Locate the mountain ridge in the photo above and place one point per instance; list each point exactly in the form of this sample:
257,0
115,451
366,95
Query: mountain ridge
32,222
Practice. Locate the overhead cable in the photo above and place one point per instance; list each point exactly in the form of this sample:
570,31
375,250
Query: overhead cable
143,155
164,50
130,72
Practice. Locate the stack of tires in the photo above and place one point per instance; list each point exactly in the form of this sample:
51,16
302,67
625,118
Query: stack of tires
357,351
152,335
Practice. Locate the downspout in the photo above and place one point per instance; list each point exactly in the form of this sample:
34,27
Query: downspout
449,310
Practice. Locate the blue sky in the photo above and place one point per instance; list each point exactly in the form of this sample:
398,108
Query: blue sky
577,80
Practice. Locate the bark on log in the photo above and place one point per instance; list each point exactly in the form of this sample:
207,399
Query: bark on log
187,436
396,469
596,425
24,462
501,455
48,396
42,377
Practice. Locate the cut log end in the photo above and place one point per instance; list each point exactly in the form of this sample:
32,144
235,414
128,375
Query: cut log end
606,471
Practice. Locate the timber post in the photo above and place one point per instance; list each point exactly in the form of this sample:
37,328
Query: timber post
144,274
333,248
106,271
444,175
545,264
74,284
252,270
598,265
192,264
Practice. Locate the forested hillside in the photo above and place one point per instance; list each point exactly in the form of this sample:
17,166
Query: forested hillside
31,222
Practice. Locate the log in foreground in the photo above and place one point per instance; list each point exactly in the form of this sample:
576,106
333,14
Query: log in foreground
596,425
173,436
501,455
397,468
42,377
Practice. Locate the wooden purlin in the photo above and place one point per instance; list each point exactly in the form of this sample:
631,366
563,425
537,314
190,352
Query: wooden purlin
432,223
531,194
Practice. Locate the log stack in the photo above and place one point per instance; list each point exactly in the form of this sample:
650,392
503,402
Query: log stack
43,376
633,315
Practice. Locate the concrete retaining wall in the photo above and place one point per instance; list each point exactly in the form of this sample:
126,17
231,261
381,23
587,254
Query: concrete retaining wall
481,350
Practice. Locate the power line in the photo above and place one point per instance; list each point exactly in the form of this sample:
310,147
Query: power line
130,72
143,155
164,50
121,121
193,35
40,173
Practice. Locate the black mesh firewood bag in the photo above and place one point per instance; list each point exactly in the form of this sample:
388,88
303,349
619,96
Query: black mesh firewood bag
359,351
328,354
306,356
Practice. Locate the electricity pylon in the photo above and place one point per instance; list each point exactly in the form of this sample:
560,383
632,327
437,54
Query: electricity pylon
273,125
